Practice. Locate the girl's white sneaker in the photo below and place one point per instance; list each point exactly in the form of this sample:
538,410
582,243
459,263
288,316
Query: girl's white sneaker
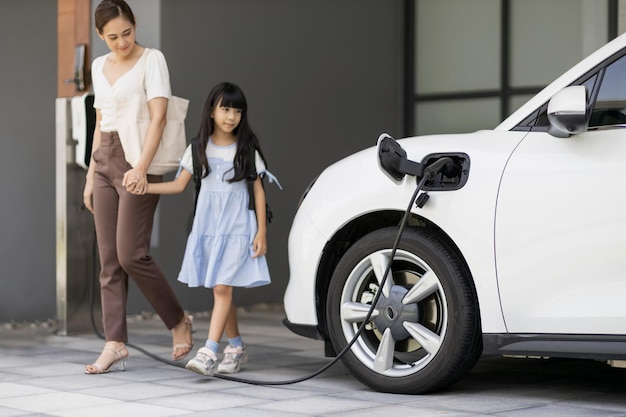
234,357
203,363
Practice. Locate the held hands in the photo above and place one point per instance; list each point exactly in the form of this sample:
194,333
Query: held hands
259,245
135,181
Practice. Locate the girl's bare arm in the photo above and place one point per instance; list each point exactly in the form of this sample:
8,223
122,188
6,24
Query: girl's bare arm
260,240
176,186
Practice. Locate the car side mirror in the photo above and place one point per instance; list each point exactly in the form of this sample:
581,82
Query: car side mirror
567,112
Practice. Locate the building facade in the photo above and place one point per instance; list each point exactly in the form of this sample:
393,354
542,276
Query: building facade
323,79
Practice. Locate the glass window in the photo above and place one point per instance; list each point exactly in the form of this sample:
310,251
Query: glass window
610,106
457,45
457,116
517,101
548,37
458,57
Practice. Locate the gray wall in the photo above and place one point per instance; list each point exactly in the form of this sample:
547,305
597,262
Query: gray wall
27,213
322,79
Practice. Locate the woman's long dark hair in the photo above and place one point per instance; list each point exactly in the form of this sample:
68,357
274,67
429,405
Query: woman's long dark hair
227,94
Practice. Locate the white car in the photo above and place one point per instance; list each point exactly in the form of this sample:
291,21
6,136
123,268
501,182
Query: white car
516,245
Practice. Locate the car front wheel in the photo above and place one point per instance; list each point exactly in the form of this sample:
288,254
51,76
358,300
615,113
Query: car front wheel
424,333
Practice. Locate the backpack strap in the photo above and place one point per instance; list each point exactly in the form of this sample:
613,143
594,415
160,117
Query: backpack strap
251,201
197,170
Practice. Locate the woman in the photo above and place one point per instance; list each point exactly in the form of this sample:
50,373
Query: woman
123,220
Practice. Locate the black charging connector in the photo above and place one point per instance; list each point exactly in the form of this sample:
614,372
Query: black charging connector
422,200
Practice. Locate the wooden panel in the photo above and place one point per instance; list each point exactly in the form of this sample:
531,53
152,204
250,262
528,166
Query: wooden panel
73,28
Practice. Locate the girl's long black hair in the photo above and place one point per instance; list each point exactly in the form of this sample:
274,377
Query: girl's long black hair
227,94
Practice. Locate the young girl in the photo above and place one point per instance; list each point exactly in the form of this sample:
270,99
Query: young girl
227,244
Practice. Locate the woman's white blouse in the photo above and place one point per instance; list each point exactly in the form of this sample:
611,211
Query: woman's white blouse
156,84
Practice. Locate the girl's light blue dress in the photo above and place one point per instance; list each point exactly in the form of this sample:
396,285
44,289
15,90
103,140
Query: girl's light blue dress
219,248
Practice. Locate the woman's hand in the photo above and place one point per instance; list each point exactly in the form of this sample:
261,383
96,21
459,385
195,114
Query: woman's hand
136,181
88,193
259,245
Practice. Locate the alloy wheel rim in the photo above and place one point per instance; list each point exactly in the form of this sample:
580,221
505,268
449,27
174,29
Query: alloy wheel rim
408,325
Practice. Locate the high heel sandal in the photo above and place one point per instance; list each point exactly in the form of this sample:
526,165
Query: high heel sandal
187,346
119,363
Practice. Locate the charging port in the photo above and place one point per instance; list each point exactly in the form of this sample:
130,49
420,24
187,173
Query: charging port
453,177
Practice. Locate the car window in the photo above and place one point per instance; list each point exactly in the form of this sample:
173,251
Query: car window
610,105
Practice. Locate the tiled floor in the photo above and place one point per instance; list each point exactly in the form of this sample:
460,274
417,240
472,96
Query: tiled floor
41,374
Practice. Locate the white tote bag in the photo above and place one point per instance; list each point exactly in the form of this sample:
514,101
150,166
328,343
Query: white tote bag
133,119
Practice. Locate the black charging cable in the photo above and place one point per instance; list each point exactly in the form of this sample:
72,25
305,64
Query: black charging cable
429,174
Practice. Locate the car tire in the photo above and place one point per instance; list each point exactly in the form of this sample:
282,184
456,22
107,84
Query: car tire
424,333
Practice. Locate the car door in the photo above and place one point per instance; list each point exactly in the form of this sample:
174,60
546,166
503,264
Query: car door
560,235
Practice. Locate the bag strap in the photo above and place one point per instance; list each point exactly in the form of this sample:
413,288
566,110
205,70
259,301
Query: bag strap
197,170
250,182
251,201
142,63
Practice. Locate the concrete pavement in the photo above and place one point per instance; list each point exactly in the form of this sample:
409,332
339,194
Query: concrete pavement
41,374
